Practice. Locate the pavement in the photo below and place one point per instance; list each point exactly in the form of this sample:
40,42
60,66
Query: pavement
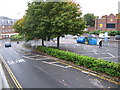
3,80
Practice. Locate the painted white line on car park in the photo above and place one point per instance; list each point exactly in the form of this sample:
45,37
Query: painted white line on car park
111,55
84,48
107,57
77,44
95,52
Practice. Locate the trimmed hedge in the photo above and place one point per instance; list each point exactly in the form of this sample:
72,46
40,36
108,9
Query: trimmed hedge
99,65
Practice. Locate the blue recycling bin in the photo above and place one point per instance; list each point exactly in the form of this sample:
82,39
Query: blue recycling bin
80,40
92,41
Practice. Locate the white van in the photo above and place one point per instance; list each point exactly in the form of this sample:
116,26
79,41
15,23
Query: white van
103,36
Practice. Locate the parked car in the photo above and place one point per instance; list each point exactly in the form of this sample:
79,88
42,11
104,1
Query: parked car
117,37
103,36
92,36
8,44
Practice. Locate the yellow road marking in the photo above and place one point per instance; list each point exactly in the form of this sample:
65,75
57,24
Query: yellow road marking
11,74
101,77
93,74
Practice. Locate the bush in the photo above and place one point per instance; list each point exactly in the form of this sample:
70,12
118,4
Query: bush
99,65
114,32
110,33
97,32
16,38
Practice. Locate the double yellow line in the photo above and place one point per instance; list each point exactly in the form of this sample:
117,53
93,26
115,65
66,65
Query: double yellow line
11,74
93,74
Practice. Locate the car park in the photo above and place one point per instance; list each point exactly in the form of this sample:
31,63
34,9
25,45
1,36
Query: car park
8,44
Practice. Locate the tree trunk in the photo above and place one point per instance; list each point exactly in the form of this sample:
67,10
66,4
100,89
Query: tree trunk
58,41
42,42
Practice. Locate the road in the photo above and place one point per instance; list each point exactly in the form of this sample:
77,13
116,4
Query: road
35,70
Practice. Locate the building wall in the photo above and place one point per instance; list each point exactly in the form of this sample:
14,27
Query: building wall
6,29
101,23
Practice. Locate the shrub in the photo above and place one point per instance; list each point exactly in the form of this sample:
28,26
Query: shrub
97,32
99,65
16,38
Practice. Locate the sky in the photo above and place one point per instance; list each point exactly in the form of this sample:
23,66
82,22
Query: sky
15,9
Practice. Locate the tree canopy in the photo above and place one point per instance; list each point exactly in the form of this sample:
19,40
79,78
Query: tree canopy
90,19
45,20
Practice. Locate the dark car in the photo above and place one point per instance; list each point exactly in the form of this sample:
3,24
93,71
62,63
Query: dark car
117,37
8,44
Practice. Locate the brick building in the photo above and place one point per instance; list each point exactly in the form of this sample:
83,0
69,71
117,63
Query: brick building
111,22
6,29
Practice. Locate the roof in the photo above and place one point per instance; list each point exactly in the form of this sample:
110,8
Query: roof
7,21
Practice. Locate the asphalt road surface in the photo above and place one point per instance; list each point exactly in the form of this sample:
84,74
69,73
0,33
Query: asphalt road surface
35,70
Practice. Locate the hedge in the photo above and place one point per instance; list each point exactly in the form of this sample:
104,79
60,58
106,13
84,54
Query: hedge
16,38
99,65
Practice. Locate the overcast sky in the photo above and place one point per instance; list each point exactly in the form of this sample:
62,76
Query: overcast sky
15,9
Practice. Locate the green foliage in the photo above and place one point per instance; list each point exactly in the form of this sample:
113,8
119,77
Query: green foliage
110,33
114,32
45,20
97,32
16,38
90,19
99,65
86,31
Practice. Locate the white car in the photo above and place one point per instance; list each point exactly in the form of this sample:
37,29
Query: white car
103,36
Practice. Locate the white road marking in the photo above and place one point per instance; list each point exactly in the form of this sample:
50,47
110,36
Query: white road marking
95,52
16,61
77,44
97,83
84,48
28,57
42,59
20,60
107,57
13,51
53,63
74,47
50,62
111,55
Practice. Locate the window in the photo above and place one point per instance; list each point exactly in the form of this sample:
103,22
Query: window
110,25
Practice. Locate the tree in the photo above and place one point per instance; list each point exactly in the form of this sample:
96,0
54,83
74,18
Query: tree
90,19
45,20
64,18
